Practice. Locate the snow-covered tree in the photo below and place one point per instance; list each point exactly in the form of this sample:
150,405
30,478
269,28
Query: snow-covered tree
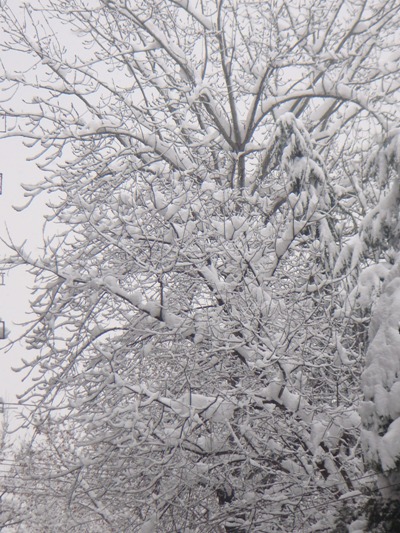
201,311
9,508
380,409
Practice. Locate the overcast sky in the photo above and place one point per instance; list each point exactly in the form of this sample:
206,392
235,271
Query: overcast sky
14,296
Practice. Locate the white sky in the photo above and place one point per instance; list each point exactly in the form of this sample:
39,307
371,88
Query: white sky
14,296
27,225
